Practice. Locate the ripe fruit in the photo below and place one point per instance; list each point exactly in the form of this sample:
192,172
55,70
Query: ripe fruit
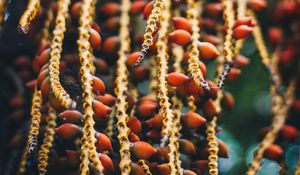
180,37
71,116
68,131
208,50
193,120
177,79
182,23
242,31
142,150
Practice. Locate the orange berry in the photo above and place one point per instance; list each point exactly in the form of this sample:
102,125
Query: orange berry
133,137
244,21
132,58
73,157
71,116
163,168
233,74
98,86
177,79
228,100
147,10
135,125
140,73
23,62
274,152
71,58
213,89
286,56
242,31
106,99
110,9
41,77
209,108
142,150
95,39
208,50
223,151
44,57
146,110
193,120
188,172
241,61
101,110
203,68
111,45
96,27
289,132
154,135
68,131
16,101
180,37
31,84
137,7
112,23
106,162
214,9
155,122
163,152
75,10
45,88
275,35
182,23
186,146
55,103
257,5
212,39
296,105
148,99
103,142
101,66
192,88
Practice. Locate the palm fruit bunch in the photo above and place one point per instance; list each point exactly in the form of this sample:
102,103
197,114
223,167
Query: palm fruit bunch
137,87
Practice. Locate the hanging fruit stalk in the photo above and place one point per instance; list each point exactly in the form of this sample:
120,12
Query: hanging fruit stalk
121,90
29,15
213,145
229,43
241,12
32,140
152,24
47,141
55,56
176,106
88,150
193,65
264,55
279,110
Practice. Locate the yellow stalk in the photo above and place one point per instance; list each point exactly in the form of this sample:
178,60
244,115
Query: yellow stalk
121,90
193,65
88,150
32,140
29,15
151,27
55,56
145,167
47,144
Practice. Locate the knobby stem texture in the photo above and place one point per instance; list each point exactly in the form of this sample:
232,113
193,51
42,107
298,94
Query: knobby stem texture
121,90
88,150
